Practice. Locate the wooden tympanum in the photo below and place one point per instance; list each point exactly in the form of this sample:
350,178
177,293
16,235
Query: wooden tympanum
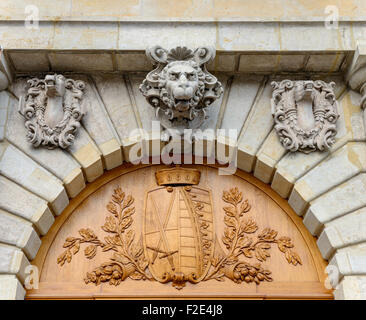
182,228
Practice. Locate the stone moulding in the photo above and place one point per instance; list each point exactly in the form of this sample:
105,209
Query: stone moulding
305,114
180,88
53,110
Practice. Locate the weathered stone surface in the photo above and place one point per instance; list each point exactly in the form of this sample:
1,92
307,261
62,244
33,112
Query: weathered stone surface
344,231
81,62
4,104
45,107
279,10
351,288
28,62
59,162
305,113
344,198
25,204
324,62
133,62
251,138
114,93
241,95
350,261
11,288
268,155
88,155
100,128
338,167
13,261
33,177
19,232
350,127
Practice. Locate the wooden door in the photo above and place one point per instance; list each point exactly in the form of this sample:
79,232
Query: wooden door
159,232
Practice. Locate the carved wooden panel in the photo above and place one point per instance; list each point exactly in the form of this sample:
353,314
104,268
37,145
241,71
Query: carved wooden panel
163,232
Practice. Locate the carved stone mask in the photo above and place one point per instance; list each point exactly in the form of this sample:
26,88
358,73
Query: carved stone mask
53,110
180,87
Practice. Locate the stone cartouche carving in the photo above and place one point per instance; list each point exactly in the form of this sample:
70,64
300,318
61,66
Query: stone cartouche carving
180,88
52,110
178,242
305,114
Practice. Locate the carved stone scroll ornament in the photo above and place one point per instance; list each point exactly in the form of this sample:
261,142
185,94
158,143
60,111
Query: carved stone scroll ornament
305,114
180,88
53,110
178,243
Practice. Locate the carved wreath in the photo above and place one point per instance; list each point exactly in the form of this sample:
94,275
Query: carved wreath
295,135
52,110
128,259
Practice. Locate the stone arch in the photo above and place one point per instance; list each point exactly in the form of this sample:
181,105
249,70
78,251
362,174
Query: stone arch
326,188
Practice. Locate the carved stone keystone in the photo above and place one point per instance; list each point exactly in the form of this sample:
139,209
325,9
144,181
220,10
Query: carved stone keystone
52,109
305,114
180,88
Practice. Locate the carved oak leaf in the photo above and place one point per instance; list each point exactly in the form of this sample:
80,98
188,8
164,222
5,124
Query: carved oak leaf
127,260
249,226
237,243
90,251
292,257
87,234
261,251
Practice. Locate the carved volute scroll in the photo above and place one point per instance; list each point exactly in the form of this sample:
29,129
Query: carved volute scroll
178,243
305,114
180,88
52,110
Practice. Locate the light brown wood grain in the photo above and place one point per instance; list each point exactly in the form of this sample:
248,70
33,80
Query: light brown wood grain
88,210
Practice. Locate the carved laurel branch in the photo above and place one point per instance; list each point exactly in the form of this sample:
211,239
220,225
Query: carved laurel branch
237,242
128,259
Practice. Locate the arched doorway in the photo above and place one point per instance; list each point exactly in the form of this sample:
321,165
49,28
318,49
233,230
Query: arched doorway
180,233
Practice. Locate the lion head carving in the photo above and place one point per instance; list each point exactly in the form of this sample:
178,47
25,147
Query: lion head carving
180,87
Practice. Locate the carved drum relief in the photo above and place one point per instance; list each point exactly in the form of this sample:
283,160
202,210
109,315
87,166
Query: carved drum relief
52,110
305,114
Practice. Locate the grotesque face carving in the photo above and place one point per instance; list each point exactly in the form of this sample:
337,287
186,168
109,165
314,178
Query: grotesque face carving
180,87
181,84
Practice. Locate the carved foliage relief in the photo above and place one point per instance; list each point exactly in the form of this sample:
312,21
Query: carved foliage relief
180,88
52,110
179,242
305,114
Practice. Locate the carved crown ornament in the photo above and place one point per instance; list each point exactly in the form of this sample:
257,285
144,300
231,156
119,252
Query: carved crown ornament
305,114
178,243
180,88
52,109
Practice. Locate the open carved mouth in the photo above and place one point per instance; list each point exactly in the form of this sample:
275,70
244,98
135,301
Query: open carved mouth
182,104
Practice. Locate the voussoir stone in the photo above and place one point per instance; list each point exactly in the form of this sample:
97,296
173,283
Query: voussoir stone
32,176
19,232
338,167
